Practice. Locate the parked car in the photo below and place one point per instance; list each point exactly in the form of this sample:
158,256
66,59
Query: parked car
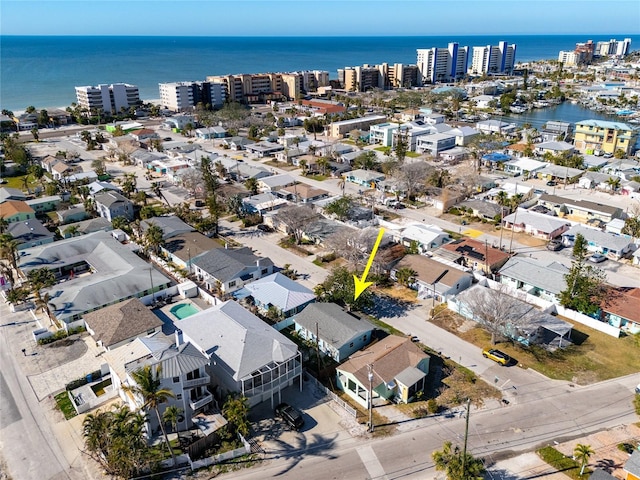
638,389
497,356
290,415
551,183
554,245
264,228
608,155
597,258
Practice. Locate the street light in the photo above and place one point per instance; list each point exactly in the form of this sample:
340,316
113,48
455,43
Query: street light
370,376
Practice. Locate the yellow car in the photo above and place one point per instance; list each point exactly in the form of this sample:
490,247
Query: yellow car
497,356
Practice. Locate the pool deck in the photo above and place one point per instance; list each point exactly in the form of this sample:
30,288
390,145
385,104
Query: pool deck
169,320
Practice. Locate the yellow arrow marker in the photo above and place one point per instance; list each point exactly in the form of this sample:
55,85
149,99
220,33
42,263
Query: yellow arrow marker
360,283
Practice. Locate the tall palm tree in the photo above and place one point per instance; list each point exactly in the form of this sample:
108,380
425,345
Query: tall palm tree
153,238
9,249
405,276
514,202
148,386
251,184
582,453
171,415
502,199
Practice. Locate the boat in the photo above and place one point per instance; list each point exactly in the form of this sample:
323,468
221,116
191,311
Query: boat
518,109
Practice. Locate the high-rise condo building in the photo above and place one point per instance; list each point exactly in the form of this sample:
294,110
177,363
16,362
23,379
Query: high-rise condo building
108,98
443,64
493,59
183,96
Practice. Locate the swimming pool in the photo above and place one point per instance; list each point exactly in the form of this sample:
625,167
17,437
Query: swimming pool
183,310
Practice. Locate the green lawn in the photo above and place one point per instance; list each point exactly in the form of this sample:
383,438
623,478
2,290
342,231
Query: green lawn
413,155
65,405
17,182
563,464
318,177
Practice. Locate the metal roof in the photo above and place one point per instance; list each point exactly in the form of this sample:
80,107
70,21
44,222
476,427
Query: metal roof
280,291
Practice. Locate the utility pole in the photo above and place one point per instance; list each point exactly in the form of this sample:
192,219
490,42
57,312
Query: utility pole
318,349
370,376
466,435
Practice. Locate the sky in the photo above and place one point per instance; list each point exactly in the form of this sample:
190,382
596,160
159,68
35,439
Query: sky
318,18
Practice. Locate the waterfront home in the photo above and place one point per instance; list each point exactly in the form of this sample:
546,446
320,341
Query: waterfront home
92,271
543,279
554,147
16,211
434,279
337,333
392,369
579,210
110,204
472,254
536,224
119,324
180,368
29,233
609,244
598,135
278,292
496,126
229,270
246,356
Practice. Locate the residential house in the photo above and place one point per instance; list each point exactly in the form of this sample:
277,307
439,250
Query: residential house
8,193
62,170
382,133
527,167
30,233
171,226
554,148
364,178
229,270
522,322
604,136
612,245
435,143
287,296
621,308
75,213
82,177
44,204
579,210
536,224
303,193
143,134
597,180
434,279
472,254
632,466
482,209
275,182
464,135
263,202
337,333
245,354
543,279
237,143
496,126
181,369
119,324
111,205
342,128
16,211
264,148
92,271
182,248
426,237
393,369
599,474
84,227
516,150
555,130
209,133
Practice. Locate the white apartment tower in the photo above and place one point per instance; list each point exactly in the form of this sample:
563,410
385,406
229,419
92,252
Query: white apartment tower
183,96
443,64
108,98
493,59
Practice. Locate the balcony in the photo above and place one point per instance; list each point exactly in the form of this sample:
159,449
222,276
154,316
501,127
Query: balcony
196,382
201,402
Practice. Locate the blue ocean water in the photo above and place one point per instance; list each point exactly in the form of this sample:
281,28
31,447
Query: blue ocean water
43,70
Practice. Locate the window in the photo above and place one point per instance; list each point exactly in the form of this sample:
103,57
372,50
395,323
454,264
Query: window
351,345
232,284
178,396
176,379
264,271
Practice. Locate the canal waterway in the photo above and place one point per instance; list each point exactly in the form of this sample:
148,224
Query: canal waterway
565,112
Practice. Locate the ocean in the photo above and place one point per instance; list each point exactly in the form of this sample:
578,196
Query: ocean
43,70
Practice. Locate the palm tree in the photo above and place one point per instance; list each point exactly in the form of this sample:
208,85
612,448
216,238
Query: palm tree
251,184
582,453
450,459
153,238
303,166
613,183
71,230
502,199
323,163
342,183
147,385
172,415
514,202
9,249
405,276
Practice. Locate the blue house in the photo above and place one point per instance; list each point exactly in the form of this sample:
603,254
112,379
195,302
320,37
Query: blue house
339,334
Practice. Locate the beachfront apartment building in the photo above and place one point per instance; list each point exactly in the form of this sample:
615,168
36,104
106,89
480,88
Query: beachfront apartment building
593,135
384,76
264,87
493,59
108,98
443,64
184,96
613,47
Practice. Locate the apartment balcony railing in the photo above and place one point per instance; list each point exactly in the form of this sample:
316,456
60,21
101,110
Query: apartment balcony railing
201,402
196,382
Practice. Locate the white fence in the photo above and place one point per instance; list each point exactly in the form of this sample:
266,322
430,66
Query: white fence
238,452
345,406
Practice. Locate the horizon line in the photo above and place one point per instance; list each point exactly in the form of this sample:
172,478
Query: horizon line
318,36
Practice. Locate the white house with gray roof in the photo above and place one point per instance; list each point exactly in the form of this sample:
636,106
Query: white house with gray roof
540,278
181,368
111,205
245,354
230,270
280,292
612,245
339,334
92,271
536,224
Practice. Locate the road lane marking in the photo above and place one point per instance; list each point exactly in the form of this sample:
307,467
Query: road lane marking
371,463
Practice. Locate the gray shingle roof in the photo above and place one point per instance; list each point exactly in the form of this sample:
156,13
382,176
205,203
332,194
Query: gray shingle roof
171,225
28,230
280,291
539,221
611,241
633,464
239,339
225,265
335,326
109,198
548,276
